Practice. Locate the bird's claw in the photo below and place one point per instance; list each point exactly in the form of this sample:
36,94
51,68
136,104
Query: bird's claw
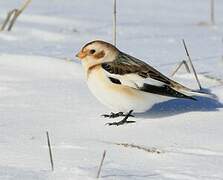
123,121
115,115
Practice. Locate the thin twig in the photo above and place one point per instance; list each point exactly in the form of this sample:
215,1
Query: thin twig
114,22
212,12
192,66
9,15
50,151
222,48
24,6
17,13
101,164
179,66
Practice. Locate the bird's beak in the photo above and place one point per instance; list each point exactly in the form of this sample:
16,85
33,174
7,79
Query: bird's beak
81,55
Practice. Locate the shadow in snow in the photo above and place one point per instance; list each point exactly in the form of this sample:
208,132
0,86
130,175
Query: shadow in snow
179,106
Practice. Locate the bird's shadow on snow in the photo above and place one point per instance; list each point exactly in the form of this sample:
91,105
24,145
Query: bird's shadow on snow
179,106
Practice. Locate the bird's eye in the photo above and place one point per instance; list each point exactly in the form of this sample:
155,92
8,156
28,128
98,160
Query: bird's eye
92,51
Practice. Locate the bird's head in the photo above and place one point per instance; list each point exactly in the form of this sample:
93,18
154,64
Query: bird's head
97,52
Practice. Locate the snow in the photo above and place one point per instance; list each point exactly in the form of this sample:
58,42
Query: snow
42,88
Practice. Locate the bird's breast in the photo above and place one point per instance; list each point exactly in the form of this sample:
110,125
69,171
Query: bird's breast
97,79
118,97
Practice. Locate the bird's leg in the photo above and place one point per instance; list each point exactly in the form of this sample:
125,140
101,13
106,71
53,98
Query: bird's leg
115,115
123,121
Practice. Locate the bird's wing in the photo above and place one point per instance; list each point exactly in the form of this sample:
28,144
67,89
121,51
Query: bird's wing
135,73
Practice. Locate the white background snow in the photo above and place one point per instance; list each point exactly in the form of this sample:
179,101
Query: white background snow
42,88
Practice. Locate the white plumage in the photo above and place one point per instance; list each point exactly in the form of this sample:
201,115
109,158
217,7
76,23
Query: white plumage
124,83
120,98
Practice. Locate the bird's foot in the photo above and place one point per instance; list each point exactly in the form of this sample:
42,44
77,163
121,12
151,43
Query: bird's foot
123,121
115,115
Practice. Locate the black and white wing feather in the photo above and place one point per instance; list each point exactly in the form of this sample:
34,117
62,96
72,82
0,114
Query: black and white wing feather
132,72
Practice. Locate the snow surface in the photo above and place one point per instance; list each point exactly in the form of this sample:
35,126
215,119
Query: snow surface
42,88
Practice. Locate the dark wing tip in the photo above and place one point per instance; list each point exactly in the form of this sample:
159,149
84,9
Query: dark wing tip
192,98
165,91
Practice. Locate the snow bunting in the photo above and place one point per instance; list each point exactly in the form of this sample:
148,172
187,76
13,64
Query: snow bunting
125,83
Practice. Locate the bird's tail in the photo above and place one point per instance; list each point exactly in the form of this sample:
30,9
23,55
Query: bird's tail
189,92
199,93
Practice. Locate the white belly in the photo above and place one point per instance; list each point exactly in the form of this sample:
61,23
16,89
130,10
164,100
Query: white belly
118,97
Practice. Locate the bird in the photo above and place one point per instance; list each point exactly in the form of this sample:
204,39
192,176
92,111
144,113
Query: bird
124,83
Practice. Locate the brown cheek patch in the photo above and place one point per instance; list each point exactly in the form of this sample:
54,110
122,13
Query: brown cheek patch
99,55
